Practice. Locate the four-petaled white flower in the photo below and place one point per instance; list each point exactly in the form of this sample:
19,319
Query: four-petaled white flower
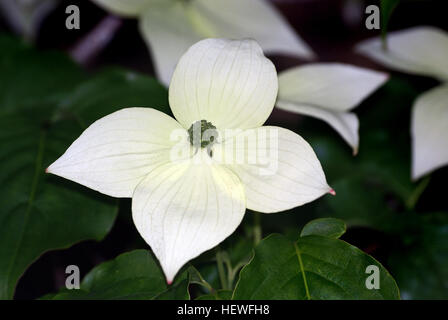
421,51
170,27
185,206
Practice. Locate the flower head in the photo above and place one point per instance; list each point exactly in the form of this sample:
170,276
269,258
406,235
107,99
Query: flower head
191,178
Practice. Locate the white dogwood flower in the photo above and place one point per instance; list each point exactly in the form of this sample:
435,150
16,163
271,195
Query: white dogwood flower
170,27
420,51
183,206
328,91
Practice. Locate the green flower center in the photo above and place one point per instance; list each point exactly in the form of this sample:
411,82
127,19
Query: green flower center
202,134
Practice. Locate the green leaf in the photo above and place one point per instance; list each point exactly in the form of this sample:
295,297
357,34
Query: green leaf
39,212
195,277
325,227
111,90
313,267
31,78
44,106
134,275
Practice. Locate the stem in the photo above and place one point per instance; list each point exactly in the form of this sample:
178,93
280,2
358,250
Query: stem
196,277
221,272
96,40
302,270
257,228
226,260
415,196
206,285
234,272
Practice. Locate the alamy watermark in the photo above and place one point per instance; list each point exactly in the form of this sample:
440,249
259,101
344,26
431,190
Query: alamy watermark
373,20
73,20
258,147
73,279
373,280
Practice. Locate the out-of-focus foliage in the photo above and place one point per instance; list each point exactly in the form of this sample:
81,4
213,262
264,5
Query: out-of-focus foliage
220,295
45,103
26,16
30,79
133,275
419,258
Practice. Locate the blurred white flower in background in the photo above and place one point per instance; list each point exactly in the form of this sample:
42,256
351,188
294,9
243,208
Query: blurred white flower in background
420,51
324,91
328,91
183,207
170,27
25,16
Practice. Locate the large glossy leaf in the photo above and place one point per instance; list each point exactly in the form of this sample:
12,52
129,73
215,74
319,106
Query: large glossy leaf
132,275
313,267
40,212
45,104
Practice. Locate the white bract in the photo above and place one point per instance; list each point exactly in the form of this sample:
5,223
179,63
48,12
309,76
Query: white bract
26,16
170,27
185,205
328,91
421,51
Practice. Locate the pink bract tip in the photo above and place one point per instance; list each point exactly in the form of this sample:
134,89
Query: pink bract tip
332,192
